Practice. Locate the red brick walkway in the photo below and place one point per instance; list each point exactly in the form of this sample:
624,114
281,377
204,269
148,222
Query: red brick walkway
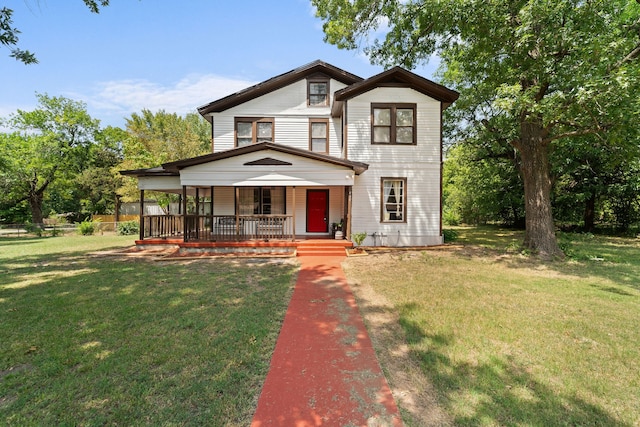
324,371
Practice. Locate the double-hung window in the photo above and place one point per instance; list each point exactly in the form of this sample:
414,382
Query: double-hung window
393,124
249,130
319,135
318,92
393,203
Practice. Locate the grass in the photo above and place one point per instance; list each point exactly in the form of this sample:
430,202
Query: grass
96,340
504,339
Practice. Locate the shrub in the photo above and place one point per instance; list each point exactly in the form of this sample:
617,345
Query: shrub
87,227
128,228
358,238
449,235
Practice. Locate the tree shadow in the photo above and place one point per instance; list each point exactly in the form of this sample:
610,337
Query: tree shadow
496,392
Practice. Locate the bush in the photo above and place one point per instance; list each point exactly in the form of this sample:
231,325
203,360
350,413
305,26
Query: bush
128,228
358,238
449,235
88,228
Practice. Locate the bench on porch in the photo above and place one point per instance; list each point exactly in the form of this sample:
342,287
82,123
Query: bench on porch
270,227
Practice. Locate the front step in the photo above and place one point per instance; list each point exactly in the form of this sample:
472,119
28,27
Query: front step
323,247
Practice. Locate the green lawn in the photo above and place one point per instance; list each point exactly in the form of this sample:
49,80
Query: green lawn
503,339
99,340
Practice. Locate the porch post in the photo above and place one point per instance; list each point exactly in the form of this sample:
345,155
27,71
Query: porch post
141,214
293,231
197,213
184,213
211,191
237,201
349,201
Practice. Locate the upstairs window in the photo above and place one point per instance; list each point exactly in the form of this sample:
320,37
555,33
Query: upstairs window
319,135
393,124
250,130
318,93
393,200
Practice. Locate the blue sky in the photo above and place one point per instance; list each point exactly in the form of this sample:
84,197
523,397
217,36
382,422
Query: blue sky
161,54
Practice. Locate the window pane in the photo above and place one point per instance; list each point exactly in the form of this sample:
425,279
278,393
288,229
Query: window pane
244,141
404,117
244,130
319,145
404,135
393,200
318,130
317,99
264,131
382,116
381,134
317,88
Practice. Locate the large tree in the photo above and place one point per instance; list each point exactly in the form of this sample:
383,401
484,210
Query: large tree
157,138
531,73
9,33
49,143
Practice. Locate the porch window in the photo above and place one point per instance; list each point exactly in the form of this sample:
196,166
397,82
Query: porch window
250,130
393,200
318,92
319,135
262,201
393,123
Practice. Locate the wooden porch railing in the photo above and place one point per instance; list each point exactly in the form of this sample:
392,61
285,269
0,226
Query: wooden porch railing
219,227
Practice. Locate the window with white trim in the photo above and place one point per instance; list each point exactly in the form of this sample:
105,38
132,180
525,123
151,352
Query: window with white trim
393,200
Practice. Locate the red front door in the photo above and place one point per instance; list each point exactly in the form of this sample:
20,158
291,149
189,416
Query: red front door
317,211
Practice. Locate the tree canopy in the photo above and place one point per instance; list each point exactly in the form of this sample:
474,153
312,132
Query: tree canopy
532,75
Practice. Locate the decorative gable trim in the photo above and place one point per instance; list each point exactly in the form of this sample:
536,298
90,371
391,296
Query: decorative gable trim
268,161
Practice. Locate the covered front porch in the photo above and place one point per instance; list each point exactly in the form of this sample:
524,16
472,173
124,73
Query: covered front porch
263,192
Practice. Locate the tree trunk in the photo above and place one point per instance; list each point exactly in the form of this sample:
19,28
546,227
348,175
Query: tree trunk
35,203
590,213
539,227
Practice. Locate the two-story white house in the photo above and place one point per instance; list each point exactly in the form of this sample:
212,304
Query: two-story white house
302,153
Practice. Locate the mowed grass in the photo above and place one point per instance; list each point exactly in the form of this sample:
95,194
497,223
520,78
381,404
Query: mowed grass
507,340
103,340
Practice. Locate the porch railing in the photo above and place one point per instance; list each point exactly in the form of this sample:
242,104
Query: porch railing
219,227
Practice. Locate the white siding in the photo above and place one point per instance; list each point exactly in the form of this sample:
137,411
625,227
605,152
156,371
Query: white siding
419,164
288,107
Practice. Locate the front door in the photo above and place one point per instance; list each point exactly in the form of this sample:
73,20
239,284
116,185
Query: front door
317,211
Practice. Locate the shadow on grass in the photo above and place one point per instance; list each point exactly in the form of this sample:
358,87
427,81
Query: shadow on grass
108,340
496,392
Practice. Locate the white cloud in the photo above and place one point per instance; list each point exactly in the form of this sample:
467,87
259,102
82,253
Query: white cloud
114,100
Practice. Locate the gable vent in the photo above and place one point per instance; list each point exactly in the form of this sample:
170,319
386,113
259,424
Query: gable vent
268,161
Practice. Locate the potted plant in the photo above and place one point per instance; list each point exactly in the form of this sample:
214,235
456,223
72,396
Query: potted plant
337,230
358,239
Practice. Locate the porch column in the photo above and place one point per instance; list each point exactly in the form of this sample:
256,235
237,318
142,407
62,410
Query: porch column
184,213
293,231
349,201
237,201
141,214
197,213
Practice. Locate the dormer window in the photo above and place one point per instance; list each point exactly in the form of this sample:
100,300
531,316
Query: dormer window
318,92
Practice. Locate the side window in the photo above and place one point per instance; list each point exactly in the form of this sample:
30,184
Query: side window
319,135
393,124
249,130
317,92
393,200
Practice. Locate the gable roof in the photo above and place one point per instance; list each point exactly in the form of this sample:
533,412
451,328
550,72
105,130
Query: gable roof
278,82
394,77
173,168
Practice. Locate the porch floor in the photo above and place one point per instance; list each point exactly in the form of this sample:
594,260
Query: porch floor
310,246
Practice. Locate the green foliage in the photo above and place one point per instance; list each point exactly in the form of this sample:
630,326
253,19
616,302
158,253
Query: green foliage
532,75
358,238
157,138
450,235
88,228
128,228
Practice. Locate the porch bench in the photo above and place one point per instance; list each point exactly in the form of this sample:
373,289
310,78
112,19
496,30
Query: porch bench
271,227
226,225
